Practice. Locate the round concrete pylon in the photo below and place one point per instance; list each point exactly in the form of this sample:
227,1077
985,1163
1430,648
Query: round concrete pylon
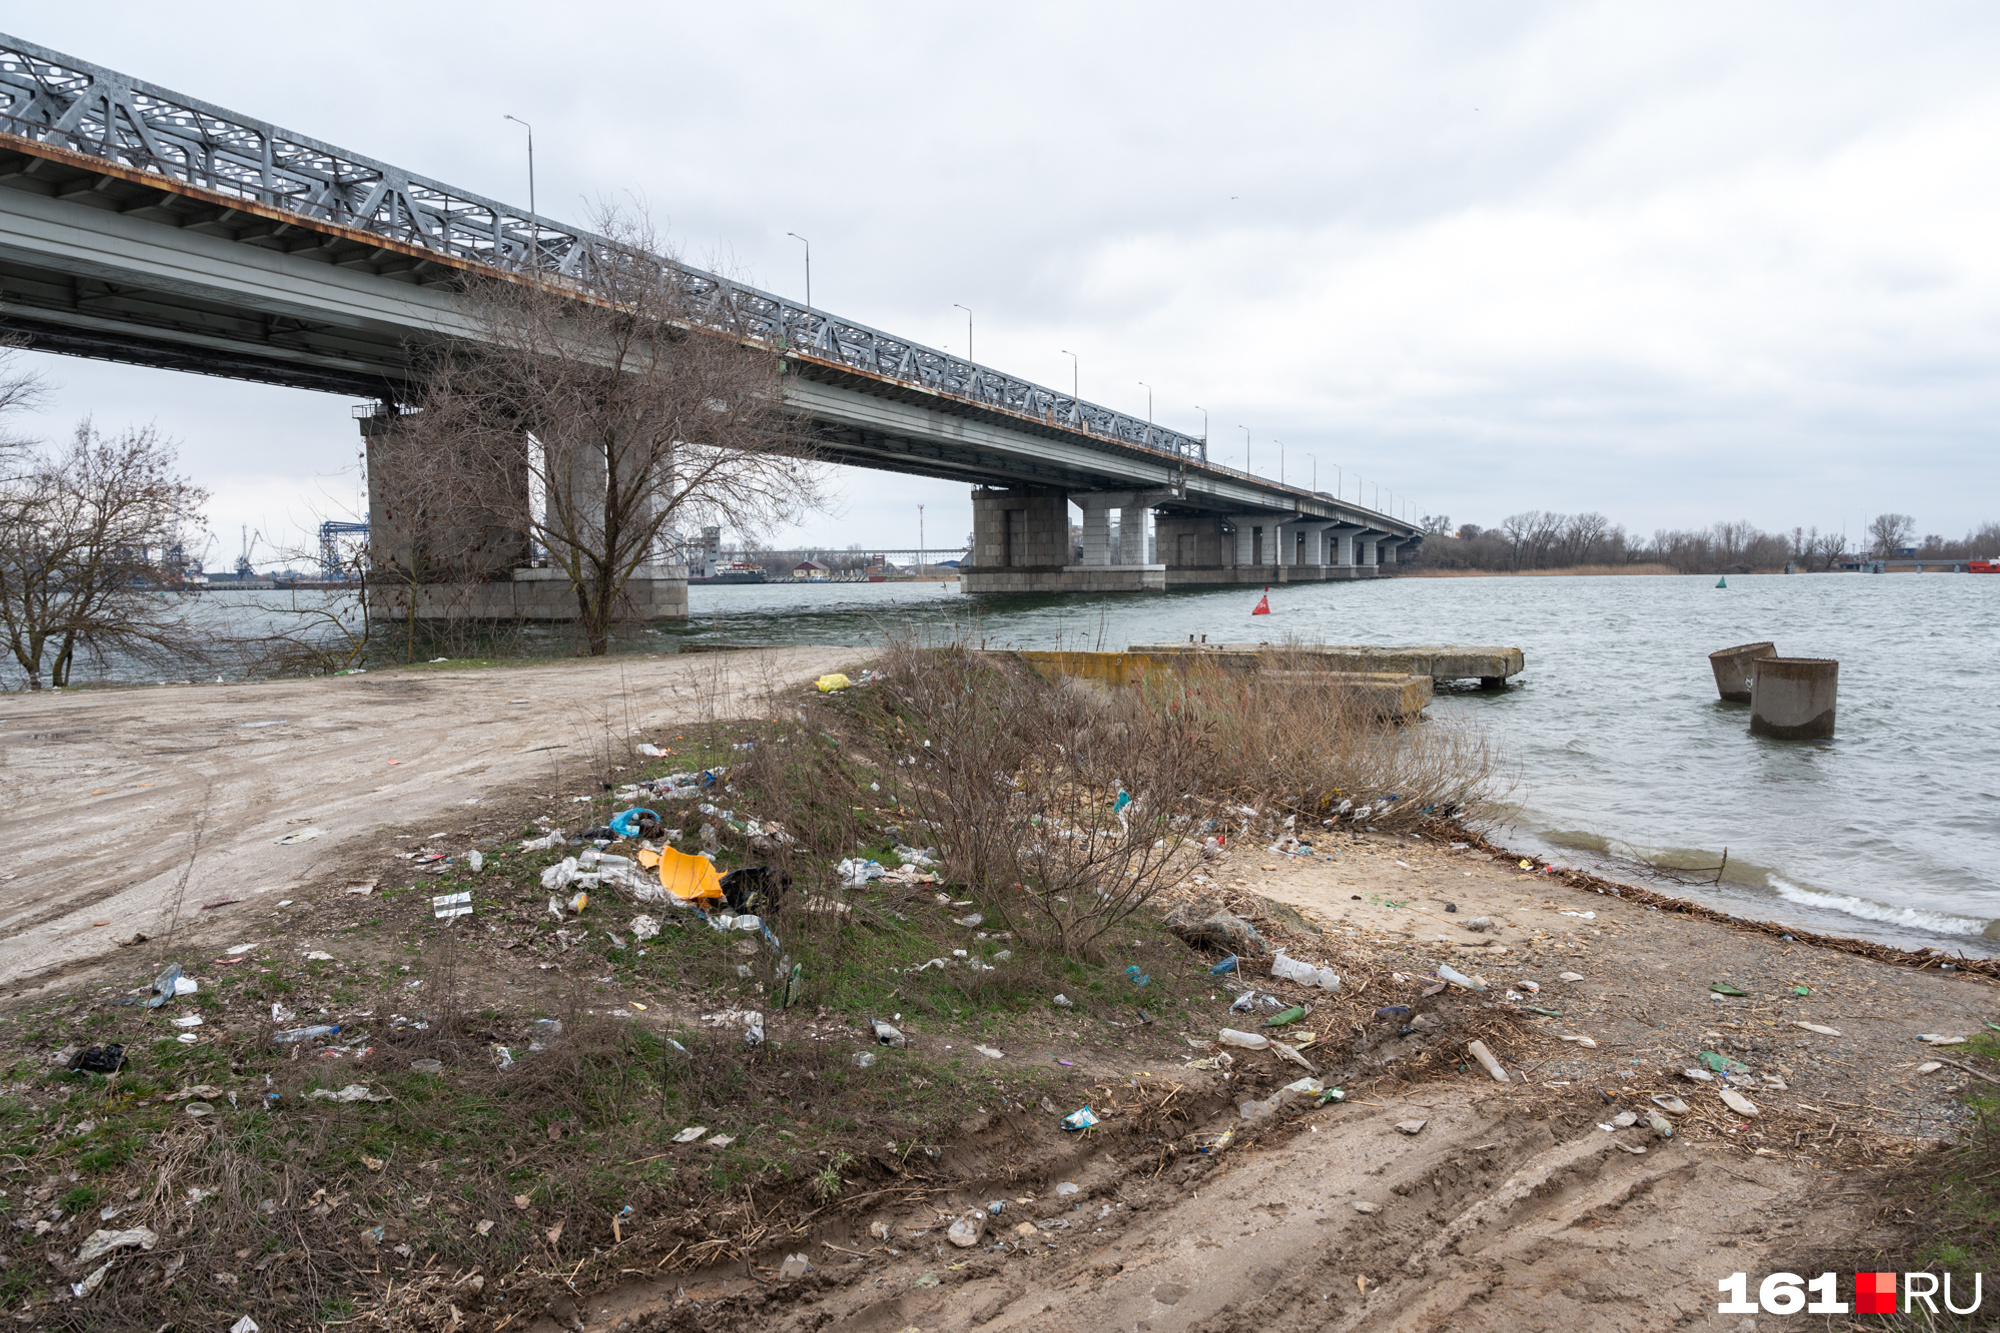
1732,669
1792,698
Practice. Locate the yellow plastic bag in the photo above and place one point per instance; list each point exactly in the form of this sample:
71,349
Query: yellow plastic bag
688,878
836,681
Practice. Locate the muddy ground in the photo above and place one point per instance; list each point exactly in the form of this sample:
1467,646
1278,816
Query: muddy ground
1507,1206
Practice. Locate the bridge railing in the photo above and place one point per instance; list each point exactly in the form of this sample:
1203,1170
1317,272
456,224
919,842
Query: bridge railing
55,99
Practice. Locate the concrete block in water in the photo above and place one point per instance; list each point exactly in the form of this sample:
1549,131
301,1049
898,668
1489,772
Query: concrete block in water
1733,669
1792,698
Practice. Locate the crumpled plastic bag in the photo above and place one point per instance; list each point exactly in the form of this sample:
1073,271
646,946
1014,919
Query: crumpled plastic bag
829,683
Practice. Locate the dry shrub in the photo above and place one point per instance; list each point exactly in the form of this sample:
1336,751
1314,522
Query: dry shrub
1304,740
1064,806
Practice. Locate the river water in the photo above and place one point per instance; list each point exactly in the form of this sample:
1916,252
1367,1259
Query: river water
1622,751
1622,754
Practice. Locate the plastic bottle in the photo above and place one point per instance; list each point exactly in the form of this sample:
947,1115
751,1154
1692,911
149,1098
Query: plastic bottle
313,1033
1248,1040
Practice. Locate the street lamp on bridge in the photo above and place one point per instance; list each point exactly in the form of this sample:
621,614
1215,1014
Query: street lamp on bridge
1074,378
1204,431
534,219
968,327
809,266
1149,410
1246,445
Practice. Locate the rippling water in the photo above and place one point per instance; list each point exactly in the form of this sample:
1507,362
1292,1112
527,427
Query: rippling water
1890,830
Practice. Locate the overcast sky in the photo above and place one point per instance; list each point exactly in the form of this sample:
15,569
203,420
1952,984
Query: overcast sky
1674,263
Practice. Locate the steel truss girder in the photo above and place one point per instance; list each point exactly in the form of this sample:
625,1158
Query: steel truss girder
71,104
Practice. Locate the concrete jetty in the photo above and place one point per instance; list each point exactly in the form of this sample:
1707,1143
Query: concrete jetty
1734,671
1491,667
1792,698
1387,693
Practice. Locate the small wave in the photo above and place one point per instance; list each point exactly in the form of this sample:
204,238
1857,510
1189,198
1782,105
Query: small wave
1920,918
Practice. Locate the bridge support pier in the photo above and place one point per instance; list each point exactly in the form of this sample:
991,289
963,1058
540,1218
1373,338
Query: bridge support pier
437,552
1020,543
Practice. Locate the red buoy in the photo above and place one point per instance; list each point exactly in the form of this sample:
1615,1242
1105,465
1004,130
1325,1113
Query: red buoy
1263,607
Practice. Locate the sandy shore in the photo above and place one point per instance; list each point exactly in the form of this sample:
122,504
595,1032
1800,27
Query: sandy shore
121,808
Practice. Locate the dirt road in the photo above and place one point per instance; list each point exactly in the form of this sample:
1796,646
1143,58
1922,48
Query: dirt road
119,808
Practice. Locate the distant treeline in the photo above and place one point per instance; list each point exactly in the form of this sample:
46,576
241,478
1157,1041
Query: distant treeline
1539,540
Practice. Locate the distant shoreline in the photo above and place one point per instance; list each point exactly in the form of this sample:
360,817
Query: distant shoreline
1549,573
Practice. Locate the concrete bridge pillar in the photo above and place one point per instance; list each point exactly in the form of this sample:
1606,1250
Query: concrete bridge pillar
447,548
1312,554
1132,523
1097,531
1020,543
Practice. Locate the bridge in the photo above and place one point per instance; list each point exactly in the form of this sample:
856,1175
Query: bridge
144,226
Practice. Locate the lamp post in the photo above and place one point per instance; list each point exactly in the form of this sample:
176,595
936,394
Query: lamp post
809,266
534,220
1149,410
1315,463
1246,445
1074,378
968,327
1281,461
1204,431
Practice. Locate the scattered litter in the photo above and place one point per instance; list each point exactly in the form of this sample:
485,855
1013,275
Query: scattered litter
246,1324
1698,1075
1411,1127
1485,1057
199,1109
863,1059
1226,965
102,1243
720,1141
1930,1067
1248,1040
795,1266
1724,988
827,684
1285,1017
475,860
427,1066
303,835
1585,1042
1820,1028
889,1036
319,956
1063,1002
448,905
990,1053
1083,1119
353,1092
189,1021
1455,977
1936,1039
1136,977
1669,1103
1587,916
691,1133
966,1231
1569,976
1722,1064
99,1059
1737,1102
1067,1188
1290,969
1660,1125
312,1033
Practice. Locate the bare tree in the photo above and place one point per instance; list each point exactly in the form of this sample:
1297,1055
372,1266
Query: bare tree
90,541
1890,533
599,418
20,390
